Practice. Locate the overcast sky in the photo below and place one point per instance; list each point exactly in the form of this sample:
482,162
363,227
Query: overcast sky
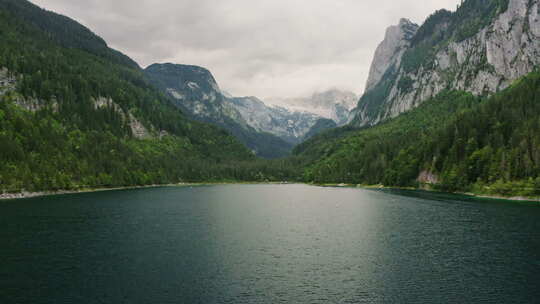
265,48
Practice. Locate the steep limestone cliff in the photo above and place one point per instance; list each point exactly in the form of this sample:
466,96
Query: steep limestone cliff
444,54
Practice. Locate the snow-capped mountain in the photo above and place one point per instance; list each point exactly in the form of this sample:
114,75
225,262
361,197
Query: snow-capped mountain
270,130
332,104
290,125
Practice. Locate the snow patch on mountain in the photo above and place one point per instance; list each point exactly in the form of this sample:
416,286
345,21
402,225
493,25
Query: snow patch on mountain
332,104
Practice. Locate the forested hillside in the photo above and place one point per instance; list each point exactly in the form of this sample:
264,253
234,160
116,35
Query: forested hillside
454,142
75,113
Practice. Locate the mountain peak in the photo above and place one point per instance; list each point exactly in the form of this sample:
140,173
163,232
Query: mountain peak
178,76
389,51
404,22
408,28
173,68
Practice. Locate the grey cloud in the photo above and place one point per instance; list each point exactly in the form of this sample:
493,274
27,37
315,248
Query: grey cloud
263,48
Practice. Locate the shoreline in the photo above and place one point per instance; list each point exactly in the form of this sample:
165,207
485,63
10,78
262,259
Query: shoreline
27,194
472,195
4,196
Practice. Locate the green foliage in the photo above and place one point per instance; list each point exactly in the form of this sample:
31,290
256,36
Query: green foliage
322,144
485,145
265,145
63,30
321,125
68,142
40,153
473,15
431,30
373,155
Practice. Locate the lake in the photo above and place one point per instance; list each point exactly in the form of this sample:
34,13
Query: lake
268,244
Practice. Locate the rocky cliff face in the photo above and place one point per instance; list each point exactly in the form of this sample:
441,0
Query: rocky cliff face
451,57
390,51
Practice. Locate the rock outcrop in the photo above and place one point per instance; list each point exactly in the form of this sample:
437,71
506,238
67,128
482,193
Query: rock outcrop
8,85
7,82
137,127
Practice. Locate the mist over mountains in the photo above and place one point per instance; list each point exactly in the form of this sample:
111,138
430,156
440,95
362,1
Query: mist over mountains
270,130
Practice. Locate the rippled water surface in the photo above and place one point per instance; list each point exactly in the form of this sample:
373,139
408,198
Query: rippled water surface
268,244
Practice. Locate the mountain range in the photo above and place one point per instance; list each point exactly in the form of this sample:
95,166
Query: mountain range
451,104
269,130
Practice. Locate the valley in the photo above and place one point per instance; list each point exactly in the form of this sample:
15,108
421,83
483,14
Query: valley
130,174
270,130
450,105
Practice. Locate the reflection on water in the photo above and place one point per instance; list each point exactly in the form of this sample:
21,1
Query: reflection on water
267,244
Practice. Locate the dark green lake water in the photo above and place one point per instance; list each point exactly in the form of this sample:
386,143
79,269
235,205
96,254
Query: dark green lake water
268,244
